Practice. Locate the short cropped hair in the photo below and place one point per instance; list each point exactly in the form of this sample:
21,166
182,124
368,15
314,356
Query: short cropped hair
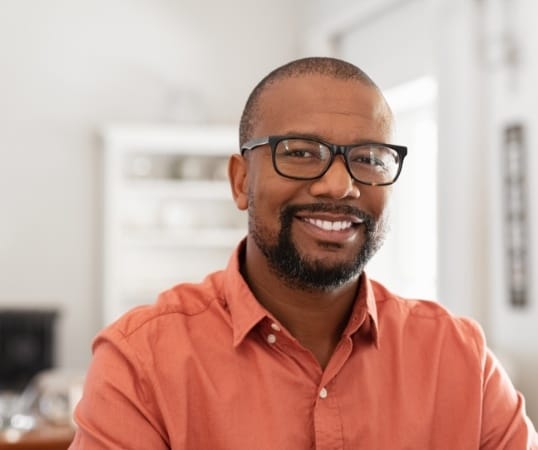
331,67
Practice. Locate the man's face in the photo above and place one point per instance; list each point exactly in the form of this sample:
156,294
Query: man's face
317,234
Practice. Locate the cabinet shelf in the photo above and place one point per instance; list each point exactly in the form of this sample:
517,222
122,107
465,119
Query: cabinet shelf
180,238
169,215
187,189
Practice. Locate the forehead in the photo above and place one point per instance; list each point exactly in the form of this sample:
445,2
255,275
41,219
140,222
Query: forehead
331,108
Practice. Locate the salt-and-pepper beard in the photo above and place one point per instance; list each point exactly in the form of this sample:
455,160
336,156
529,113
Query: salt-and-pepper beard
310,274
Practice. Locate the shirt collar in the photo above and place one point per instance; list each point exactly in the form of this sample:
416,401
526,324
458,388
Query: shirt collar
363,320
246,312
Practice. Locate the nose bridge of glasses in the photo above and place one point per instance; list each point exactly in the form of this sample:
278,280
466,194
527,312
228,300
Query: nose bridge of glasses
341,150
336,151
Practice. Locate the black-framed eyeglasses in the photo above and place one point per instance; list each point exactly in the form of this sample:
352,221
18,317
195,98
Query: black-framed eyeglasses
304,158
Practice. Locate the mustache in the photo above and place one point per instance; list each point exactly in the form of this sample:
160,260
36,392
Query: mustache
289,211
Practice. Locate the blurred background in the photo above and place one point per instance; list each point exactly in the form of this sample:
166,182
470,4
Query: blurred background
116,118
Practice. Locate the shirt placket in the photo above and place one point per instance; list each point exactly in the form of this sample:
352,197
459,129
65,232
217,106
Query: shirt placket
328,424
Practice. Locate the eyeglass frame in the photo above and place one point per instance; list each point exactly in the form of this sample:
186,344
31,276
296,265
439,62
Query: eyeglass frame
335,149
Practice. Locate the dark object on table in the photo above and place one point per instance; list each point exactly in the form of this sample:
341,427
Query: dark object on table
26,346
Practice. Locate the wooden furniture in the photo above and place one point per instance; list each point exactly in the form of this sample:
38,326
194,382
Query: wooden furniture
42,438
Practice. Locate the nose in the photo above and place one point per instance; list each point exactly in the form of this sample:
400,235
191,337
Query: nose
336,183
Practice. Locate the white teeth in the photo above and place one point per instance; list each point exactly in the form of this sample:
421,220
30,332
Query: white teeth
330,226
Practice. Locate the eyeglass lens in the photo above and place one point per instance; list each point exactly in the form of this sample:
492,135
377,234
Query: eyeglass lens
304,158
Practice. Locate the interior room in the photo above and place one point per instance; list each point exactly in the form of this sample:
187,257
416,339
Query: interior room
117,119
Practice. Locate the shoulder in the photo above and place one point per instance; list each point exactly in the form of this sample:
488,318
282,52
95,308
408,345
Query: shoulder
173,307
427,320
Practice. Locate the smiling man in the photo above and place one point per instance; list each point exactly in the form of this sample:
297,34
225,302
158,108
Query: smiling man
292,346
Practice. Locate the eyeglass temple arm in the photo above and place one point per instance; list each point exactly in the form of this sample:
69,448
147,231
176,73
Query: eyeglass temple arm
254,143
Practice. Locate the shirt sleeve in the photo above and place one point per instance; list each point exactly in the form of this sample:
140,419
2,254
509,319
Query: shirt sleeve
505,424
117,409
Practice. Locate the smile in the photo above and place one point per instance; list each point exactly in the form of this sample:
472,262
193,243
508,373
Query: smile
328,225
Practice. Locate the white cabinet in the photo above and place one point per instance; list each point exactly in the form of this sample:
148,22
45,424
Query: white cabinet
169,216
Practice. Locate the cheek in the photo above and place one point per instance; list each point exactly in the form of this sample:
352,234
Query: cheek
269,195
262,196
264,200
268,189
377,200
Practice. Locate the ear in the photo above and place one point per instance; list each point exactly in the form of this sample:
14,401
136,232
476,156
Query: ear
237,174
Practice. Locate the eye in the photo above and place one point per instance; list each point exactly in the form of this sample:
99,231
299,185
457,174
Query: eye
300,149
370,160
297,153
373,157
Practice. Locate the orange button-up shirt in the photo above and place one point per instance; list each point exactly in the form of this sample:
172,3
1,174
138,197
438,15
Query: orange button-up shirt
207,367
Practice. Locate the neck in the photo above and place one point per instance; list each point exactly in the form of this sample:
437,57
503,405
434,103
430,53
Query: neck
315,318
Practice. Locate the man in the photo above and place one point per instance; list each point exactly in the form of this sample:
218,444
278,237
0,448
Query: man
292,346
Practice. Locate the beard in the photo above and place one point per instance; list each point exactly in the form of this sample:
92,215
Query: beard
307,273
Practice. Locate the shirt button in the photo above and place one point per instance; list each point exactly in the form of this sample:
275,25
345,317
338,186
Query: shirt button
271,338
323,393
275,326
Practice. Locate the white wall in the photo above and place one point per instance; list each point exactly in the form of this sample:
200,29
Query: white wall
511,98
69,67
399,40
463,231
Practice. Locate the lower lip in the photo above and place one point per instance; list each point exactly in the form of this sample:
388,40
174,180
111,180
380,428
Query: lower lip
337,237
